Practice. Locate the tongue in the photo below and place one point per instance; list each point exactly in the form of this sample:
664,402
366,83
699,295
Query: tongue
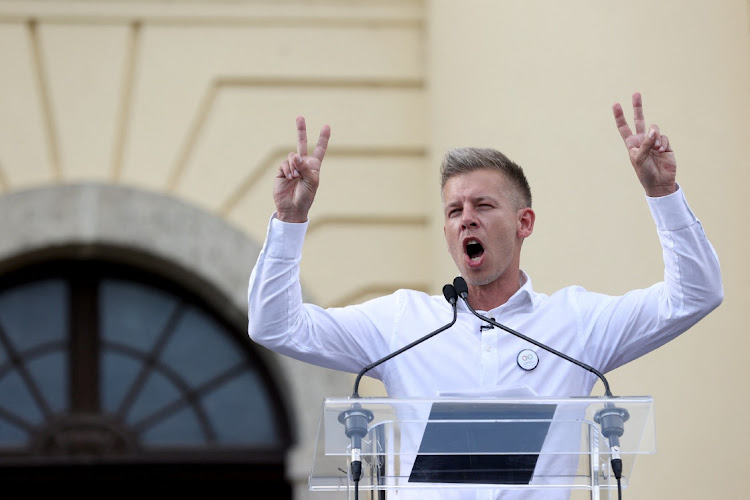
474,251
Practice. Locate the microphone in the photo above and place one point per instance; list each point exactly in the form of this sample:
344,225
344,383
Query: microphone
610,418
356,418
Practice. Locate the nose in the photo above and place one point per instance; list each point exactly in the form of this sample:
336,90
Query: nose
468,218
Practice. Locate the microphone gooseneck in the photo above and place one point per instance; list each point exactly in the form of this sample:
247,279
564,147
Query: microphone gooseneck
610,418
356,418
450,294
463,291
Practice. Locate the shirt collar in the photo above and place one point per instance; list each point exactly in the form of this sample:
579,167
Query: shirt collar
521,301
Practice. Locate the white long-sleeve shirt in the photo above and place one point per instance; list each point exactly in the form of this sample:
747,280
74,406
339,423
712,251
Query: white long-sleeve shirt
600,330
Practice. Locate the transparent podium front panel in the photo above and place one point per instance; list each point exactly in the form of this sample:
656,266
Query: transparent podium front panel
493,443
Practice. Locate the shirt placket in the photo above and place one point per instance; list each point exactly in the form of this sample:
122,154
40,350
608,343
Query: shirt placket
488,359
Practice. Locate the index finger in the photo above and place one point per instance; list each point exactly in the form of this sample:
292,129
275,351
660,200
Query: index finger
621,122
301,136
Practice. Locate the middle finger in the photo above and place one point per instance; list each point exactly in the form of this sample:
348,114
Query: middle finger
640,121
301,136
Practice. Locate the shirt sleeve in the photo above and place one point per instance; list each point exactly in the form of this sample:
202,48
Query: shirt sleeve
278,318
624,328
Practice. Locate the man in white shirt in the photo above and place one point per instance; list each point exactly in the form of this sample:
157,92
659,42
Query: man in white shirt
488,215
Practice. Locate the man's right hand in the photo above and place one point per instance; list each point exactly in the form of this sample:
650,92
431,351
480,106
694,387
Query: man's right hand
297,179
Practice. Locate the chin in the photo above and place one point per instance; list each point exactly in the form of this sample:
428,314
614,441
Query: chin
478,278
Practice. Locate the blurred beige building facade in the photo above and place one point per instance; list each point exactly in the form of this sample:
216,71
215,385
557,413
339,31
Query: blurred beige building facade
122,120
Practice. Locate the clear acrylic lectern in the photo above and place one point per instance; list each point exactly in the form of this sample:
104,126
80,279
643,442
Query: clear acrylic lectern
488,443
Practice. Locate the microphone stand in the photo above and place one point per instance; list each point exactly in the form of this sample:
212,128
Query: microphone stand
610,418
356,418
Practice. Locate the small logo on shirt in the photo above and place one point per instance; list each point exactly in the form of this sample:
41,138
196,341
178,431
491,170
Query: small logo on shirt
527,359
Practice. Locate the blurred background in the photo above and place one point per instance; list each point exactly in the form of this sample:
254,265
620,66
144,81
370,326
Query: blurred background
138,144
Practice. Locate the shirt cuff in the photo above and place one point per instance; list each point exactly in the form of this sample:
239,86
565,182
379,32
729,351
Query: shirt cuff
671,212
285,239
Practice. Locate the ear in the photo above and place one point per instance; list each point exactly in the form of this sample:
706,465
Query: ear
526,218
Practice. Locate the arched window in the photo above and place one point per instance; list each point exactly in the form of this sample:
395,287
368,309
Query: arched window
127,374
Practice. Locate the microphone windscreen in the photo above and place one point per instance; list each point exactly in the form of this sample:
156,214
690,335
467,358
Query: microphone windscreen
462,289
449,292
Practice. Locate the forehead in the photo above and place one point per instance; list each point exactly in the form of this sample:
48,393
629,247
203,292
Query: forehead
477,183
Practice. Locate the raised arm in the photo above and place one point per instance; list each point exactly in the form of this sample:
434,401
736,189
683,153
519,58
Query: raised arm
642,320
650,152
298,177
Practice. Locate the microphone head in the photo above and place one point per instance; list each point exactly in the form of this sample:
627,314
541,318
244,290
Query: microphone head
450,294
462,289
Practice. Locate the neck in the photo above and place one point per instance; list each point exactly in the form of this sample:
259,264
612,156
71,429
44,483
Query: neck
495,294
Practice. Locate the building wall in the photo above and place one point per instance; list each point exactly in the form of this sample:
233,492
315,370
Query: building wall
195,101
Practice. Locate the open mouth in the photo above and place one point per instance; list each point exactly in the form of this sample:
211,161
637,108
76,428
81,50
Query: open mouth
474,249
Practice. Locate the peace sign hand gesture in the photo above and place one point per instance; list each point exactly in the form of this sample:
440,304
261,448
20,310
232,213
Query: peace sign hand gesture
297,180
650,153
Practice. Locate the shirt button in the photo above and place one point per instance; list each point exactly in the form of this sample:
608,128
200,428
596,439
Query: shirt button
488,348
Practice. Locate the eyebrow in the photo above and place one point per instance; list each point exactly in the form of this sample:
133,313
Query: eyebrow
475,199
